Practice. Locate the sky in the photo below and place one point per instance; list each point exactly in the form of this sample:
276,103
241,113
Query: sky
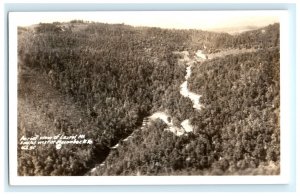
205,20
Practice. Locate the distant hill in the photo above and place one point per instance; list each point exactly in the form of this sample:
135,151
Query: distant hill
235,30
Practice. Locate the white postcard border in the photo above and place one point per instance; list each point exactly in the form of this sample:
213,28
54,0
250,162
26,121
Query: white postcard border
285,108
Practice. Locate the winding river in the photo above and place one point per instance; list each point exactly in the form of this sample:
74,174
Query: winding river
167,119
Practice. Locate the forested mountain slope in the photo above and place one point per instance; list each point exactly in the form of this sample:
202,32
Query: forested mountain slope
104,80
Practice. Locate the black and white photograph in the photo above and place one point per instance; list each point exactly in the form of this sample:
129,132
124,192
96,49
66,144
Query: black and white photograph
148,93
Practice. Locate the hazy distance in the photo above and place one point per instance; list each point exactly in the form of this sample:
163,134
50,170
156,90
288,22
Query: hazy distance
226,21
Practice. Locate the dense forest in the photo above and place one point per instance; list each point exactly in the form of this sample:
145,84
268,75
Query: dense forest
104,80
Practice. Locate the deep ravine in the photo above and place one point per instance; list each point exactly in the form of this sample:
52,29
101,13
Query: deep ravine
166,118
